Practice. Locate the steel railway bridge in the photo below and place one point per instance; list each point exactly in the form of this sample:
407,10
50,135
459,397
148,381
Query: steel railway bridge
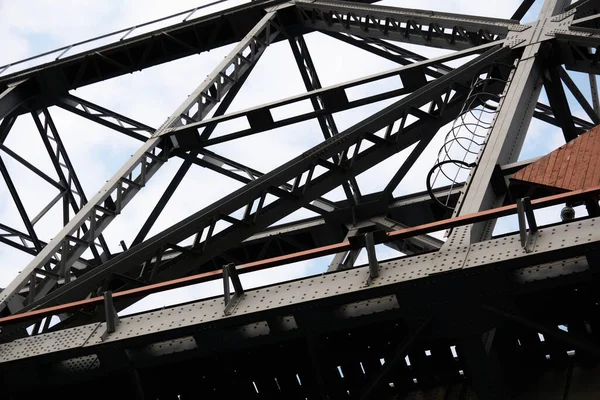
474,316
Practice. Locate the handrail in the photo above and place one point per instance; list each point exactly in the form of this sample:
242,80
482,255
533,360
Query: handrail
127,32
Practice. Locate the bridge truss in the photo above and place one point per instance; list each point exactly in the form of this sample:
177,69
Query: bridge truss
471,316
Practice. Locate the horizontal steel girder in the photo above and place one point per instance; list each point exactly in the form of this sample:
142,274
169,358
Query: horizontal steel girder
341,288
137,53
422,27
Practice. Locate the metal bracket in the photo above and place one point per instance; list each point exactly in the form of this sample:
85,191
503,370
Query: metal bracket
372,256
112,318
229,271
525,212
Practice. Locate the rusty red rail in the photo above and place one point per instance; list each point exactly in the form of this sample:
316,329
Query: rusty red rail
303,255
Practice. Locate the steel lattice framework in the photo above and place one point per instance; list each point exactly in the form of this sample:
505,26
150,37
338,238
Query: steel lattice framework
453,319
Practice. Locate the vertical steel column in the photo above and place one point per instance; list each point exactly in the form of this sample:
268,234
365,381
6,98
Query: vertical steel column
505,140
594,89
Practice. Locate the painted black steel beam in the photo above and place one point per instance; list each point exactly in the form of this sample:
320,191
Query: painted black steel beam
402,56
13,95
380,148
545,113
421,27
326,121
405,168
19,204
559,103
589,110
389,51
522,10
189,37
6,125
578,53
105,117
137,53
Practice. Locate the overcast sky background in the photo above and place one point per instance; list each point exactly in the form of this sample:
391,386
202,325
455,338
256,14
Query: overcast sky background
33,26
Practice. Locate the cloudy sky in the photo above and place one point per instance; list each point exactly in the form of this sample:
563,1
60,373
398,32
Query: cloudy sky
33,26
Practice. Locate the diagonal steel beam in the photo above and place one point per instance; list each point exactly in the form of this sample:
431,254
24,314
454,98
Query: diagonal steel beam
336,98
404,168
558,102
20,207
23,242
27,243
546,114
190,158
426,242
11,97
589,110
402,56
105,117
132,128
133,54
128,181
31,167
522,10
367,149
203,158
390,52
74,194
326,121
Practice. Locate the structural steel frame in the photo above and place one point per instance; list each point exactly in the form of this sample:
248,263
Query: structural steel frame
475,290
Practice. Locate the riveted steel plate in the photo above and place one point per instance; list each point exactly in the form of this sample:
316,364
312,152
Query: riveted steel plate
552,270
306,290
549,239
47,343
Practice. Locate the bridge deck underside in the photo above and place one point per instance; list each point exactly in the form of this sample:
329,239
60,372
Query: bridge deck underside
338,350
